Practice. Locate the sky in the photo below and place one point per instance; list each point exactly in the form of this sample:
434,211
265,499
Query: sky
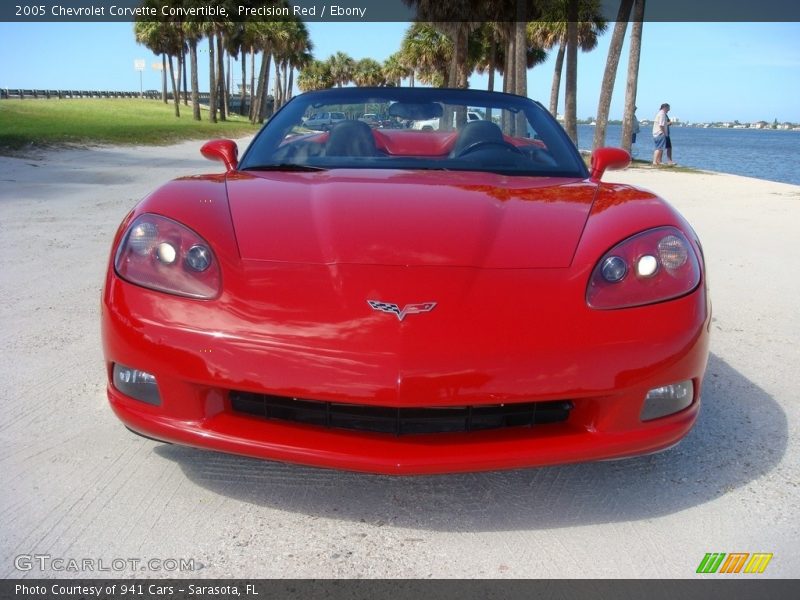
705,71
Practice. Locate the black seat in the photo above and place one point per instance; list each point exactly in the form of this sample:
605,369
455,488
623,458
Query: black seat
351,138
475,133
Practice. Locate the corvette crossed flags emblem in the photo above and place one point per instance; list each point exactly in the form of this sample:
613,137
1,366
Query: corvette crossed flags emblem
401,313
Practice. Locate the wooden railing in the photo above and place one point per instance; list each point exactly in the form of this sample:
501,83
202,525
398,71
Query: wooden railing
24,94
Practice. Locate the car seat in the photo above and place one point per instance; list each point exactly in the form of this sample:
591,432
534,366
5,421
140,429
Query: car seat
351,138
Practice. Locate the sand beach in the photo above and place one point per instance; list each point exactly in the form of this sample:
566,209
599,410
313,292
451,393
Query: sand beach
76,484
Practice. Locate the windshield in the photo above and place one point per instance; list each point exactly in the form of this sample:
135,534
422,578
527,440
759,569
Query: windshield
415,128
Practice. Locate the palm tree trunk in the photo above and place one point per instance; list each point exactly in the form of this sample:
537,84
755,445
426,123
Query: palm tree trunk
164,79
509,73
212,79
221,93
243,95
228,85
555,88
492,62
195,83
633,73
252,91
255,105
521,66
175,96
571,86
262,114
610,74
260,103
276,93
178,71
183,68
290,85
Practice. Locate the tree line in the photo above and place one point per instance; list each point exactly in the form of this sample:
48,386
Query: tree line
505,37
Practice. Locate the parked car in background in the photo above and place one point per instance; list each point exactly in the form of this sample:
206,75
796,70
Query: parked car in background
371,119
433,124
323,121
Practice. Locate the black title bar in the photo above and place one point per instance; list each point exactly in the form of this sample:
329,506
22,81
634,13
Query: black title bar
376,10
711,588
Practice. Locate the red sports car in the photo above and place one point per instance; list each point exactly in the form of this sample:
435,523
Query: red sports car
401,301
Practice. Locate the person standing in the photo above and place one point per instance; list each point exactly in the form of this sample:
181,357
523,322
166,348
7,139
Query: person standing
660,133
669,141
634,126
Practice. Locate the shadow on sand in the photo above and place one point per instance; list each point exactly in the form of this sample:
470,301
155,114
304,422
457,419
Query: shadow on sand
741,434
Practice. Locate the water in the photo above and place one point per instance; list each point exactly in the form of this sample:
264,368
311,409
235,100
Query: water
763,153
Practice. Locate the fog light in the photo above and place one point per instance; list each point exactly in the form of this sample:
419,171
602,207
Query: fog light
666,400
136,384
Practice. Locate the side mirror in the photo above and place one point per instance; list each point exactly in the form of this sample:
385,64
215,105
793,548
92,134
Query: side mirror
608,158
224,150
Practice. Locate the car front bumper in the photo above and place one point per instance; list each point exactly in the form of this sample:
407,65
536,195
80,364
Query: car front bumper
602,362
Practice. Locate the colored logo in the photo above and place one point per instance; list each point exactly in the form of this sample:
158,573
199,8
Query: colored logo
402,313
734,562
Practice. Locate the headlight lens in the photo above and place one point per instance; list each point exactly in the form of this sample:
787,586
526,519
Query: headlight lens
161,254
653,266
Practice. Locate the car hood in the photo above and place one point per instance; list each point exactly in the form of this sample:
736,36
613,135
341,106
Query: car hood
436,218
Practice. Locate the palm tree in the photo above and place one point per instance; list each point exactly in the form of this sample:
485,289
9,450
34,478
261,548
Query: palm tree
341,66
264,35
222,90
395,69
315,76
448,17
193,32
429,50
291,40
368,73
488,46
490,56
633,73
278,40
298,54
571,87
210,31
551,32
610,73
161,38
236,47
299,61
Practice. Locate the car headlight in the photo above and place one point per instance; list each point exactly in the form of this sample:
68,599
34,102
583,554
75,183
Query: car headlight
653,266
161,254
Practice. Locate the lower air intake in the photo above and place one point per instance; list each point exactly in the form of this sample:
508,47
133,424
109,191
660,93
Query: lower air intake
400,421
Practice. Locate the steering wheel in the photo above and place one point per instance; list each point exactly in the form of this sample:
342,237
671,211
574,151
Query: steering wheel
483,144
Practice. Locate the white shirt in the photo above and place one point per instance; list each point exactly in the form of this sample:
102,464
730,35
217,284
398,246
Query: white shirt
659,122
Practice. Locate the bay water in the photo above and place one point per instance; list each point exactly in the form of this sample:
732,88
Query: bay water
772,154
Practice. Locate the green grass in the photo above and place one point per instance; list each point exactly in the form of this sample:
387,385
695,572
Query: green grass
25,123
638,163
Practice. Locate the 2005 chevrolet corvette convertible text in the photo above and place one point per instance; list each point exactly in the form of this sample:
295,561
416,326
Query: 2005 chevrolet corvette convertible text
384,298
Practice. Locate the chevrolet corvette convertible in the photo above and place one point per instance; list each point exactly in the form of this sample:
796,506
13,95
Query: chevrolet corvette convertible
407,301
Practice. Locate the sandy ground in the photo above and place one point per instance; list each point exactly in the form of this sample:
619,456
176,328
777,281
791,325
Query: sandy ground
76,484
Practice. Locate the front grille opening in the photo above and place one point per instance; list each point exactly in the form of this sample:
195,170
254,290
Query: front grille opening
400,421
